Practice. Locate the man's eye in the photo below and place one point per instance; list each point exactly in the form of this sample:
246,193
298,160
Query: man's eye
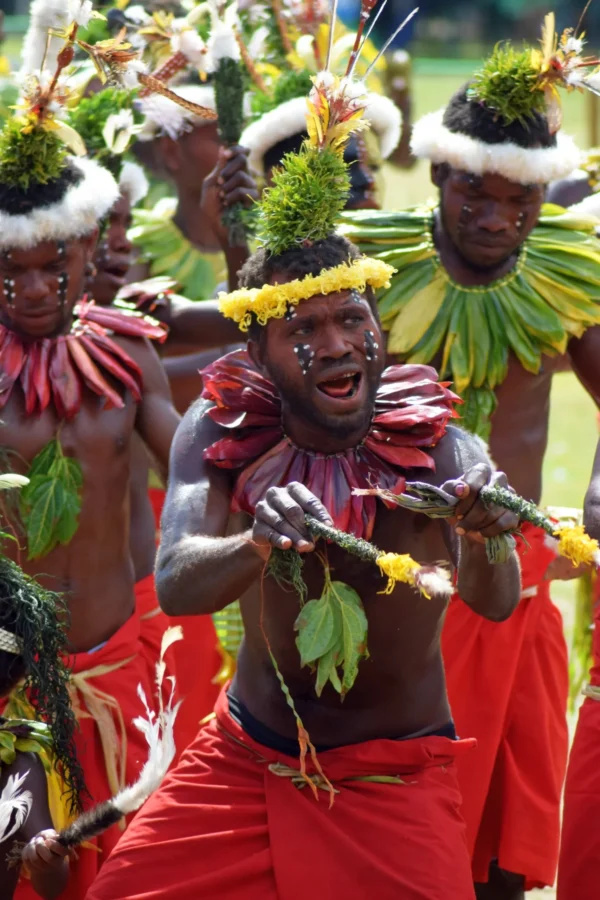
303,330
353,320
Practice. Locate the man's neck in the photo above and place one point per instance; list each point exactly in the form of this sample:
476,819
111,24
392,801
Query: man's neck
192,224
458,268
312,438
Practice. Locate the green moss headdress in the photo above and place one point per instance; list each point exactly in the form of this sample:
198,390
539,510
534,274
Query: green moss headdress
306,197
278,91
514,89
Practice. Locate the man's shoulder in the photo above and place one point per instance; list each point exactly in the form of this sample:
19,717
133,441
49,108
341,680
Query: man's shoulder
457,451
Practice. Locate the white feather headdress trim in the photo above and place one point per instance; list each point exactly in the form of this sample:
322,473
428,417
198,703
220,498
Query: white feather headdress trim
289,119
76,214
433,141
162,116
133,182
43,14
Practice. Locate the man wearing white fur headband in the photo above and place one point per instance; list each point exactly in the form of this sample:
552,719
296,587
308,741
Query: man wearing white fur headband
277,120
494,289
77,383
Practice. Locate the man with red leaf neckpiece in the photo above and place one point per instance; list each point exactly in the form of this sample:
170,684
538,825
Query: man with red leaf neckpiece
76,382
356,798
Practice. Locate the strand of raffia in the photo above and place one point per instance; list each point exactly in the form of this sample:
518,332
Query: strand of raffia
398,567
573,541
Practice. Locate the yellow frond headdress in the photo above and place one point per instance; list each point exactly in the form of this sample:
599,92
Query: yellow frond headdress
307,195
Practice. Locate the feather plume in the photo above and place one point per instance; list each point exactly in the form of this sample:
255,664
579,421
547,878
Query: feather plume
38,47
15,806
158,731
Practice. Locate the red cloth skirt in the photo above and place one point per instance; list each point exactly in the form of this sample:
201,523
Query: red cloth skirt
508,687
226,825
106,708
579,863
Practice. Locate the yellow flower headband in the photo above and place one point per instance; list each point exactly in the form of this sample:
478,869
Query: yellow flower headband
271,301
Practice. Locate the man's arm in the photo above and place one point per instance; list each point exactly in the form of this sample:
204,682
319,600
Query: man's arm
45,860
199,569
492,591
157,419
199,324
584,353
591,505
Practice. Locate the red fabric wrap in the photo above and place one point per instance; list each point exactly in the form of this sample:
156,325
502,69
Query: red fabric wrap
508,686
411,412
579,862
121,684
224,825
194,661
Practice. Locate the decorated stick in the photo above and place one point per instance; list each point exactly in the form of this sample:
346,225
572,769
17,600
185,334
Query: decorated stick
573,541
431,581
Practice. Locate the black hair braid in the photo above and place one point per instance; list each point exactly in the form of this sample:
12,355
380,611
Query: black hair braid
39,617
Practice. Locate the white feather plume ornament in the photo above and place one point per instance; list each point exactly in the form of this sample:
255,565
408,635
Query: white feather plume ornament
158,731
15,806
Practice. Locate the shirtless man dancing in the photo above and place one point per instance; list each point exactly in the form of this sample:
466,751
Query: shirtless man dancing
285,428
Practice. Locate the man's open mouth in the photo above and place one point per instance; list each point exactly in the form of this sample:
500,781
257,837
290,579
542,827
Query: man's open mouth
342,386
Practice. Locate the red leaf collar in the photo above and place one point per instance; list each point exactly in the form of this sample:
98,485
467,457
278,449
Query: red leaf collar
58,368
411,412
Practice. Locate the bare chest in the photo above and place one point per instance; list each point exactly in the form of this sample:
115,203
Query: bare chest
95,435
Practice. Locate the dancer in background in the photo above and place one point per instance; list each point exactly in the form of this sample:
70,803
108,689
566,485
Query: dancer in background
495,289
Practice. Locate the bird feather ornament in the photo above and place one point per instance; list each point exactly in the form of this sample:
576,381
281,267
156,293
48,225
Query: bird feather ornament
158,731
15,806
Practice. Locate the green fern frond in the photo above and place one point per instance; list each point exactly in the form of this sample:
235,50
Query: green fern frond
25,159
309,192
508,84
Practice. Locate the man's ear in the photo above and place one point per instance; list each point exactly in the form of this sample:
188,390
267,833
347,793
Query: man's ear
169,153
439,173
90,242
256,354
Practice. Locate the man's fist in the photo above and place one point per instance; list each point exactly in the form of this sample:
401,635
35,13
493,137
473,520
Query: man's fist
472,517
279,518
43,853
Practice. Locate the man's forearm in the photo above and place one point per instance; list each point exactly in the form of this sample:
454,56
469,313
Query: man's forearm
201,575
236,257
492,591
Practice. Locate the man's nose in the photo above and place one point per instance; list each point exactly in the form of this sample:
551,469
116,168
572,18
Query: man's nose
493,219
335,345
119,242
35,287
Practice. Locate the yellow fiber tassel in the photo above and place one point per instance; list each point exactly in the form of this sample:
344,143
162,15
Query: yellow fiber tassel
398,567
228,667
576,545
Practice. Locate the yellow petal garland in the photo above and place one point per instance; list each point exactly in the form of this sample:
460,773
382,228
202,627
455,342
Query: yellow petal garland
575,544
272,300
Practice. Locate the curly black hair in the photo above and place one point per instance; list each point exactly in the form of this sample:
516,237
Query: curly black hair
298,263
469,116
38,618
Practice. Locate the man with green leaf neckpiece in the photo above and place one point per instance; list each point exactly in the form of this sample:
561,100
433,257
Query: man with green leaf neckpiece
77,382
494,288
291,427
